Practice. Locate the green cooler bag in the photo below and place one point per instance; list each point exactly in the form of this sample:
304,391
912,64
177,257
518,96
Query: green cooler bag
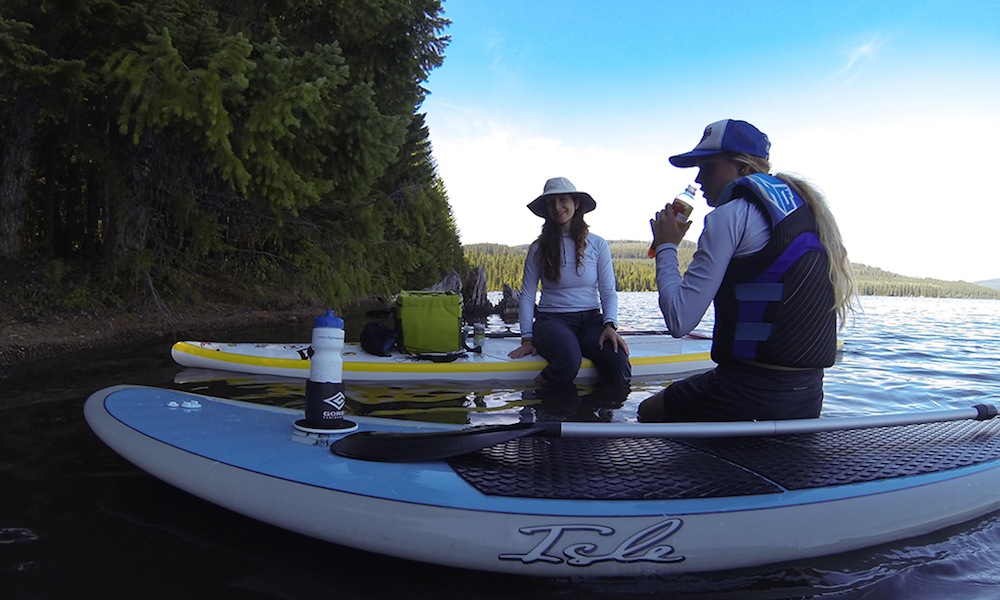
429,322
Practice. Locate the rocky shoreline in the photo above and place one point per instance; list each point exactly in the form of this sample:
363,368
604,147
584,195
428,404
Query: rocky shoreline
36,344
28,347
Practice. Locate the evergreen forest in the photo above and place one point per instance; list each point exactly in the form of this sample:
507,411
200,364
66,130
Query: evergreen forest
635,272
264,151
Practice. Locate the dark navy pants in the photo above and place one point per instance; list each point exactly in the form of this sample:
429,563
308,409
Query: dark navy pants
564,339
743,392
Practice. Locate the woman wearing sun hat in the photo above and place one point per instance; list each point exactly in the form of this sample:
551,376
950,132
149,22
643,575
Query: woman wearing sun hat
772,261
577,311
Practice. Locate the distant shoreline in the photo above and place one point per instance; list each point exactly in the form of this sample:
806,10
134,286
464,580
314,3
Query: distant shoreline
636,272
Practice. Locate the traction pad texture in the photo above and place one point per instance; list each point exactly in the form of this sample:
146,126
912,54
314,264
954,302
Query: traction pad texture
661,468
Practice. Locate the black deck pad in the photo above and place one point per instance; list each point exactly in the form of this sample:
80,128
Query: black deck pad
657,468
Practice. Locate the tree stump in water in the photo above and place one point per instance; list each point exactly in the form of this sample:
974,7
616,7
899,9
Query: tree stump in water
476,305
508,306
450,283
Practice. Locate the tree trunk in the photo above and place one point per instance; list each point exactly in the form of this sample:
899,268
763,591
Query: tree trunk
15,168
477,305
48,200
509,304
137,207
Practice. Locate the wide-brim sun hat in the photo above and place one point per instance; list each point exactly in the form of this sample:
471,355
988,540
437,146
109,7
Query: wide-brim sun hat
727,135
555,187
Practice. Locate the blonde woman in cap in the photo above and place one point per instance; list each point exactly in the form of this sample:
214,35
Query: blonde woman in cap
772,261
577,311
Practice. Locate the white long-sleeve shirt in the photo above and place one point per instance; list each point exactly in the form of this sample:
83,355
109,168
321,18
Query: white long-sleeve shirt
737,228
590,287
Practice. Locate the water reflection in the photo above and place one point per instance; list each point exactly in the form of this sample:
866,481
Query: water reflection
77,521
443,402
572,403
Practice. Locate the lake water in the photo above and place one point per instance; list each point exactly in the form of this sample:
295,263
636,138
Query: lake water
77,521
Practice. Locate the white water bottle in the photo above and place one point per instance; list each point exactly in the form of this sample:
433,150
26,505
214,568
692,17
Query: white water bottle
325,398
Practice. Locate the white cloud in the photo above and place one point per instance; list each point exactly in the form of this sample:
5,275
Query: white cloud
910,194
862,52
492,171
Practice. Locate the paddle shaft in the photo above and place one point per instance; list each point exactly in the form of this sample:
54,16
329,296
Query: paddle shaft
425,446
764,428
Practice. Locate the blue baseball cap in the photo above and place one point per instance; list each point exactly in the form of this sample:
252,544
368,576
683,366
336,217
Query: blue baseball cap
728,135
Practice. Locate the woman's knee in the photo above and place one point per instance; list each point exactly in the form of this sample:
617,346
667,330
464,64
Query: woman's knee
652,410
560,369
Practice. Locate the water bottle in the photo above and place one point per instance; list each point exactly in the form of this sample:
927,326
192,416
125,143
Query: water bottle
325,399
682,208
479,334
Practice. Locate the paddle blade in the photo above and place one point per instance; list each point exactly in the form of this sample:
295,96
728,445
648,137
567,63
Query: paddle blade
384,446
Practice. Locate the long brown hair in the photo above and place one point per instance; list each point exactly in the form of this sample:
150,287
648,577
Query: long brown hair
841,275
550,244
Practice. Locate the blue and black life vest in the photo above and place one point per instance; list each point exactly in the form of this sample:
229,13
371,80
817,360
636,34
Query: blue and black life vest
776,306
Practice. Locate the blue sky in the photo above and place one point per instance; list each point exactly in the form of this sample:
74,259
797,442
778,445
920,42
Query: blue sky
891,108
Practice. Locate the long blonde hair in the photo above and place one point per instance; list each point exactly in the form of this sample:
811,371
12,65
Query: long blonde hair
841,275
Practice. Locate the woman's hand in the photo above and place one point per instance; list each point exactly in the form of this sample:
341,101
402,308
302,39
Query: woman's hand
611,335
526,348
666,229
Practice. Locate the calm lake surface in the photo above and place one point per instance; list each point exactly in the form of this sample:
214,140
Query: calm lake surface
77,521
